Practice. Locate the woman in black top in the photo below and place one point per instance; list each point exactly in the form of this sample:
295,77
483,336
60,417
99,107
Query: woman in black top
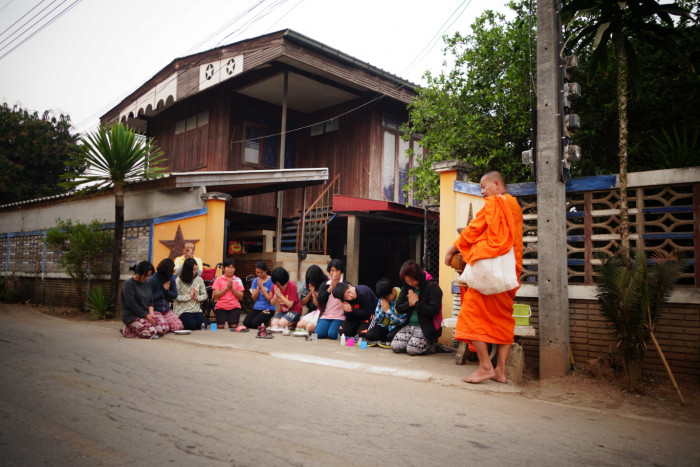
137,305
421,301
164,290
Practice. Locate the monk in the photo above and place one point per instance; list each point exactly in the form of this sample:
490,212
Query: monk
188,252
484,319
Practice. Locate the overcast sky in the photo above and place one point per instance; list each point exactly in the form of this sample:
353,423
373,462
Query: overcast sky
98,51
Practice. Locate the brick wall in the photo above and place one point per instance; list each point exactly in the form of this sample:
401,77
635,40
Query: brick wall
677,330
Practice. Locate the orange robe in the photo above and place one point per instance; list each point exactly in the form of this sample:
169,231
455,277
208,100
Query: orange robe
497,227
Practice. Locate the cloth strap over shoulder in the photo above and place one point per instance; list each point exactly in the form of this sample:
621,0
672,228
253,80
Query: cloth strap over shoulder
491,268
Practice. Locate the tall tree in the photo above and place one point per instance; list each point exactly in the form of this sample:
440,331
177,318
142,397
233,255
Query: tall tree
477,111
113,155
33,152
619,27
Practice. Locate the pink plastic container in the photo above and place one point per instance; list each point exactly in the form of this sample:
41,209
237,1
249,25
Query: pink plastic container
351,342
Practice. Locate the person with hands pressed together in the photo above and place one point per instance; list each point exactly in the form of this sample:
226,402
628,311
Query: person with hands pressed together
188,252
227,290
420,301
191,291
164,290
137,306
485,319
261,292
315,279
386,321
284,294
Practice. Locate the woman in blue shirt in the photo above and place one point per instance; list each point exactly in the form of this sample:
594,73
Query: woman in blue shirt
261,291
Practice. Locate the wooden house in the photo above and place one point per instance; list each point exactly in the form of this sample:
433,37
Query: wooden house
227,109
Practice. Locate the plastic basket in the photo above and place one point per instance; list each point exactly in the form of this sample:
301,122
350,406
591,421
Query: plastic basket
522,314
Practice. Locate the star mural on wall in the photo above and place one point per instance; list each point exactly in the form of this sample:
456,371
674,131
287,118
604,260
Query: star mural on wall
177,244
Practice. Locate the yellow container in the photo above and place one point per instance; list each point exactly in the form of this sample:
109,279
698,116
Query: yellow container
522,314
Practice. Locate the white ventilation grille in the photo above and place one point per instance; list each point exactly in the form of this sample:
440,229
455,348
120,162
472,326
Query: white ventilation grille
212,73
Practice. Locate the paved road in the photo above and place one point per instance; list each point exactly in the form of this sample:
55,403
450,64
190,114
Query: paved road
76,393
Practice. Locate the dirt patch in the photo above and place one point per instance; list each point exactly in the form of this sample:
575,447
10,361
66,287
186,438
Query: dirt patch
596,386
64,312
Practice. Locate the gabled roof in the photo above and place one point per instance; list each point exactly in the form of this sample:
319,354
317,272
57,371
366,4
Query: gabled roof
319,76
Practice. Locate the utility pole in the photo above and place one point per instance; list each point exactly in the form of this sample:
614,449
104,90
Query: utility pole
553,293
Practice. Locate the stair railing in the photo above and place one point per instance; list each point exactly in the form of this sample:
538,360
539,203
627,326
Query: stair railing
312,230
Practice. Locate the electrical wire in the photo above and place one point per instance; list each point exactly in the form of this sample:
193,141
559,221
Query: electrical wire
7,4
441,31
49,22
395,85
240,30
283,16
20,19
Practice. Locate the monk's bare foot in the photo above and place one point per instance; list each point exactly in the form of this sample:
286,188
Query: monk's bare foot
500,376
479,375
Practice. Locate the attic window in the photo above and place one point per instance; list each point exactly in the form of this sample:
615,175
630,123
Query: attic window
325,127
192,122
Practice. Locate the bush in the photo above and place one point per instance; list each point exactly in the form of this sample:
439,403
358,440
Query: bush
82,247
98,305
10,289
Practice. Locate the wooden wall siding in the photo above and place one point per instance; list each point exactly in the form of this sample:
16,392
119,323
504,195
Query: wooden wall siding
261,56
206,147
187,83
351,75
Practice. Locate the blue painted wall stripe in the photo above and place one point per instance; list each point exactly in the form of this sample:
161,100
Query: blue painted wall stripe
668,209
180,216
600,182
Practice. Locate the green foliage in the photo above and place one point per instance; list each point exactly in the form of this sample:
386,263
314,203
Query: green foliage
604,22
82,248
10,289
113,155
33,151
677,150
630,295
478,110
669,92
99,306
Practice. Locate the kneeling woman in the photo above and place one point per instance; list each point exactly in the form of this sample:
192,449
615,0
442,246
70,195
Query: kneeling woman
420,301
191,291
137,306
164,290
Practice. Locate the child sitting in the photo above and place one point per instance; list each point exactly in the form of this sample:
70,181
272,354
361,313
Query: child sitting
385,321
284,294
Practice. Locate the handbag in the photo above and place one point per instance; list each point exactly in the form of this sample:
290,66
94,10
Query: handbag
492,275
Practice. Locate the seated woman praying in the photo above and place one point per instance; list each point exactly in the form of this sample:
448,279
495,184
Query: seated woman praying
191,292
137,306
164,289
228,291
284,293
420,301
315,278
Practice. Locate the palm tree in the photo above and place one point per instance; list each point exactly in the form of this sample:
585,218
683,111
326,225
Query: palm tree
630,294
110,157
620,25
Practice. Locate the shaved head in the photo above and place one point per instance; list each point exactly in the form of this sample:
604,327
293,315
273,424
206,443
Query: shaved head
494,175
492,183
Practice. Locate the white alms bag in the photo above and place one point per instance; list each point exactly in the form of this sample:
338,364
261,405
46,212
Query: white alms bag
492,275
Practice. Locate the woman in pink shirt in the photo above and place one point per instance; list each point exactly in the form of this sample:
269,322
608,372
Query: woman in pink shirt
227,290
332,314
